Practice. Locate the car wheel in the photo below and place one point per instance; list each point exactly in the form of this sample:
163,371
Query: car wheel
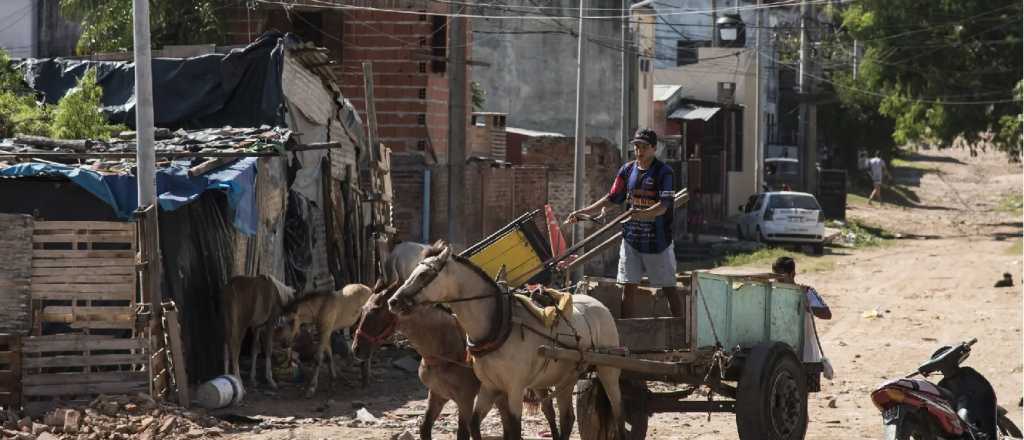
739,232
760,236
819,249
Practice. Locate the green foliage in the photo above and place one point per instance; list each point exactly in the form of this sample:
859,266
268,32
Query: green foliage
19,112
479,96
78,114
107,24
942,69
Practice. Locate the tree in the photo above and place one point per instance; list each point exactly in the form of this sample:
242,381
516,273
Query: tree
479,95
19,111
107,24
941,69
78,114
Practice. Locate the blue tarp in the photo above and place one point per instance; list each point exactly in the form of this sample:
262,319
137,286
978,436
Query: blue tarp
174,187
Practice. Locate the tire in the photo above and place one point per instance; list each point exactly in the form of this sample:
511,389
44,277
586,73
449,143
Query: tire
1007,428
739,232
760,237
589,397
771,400
818,248
634,405
911,427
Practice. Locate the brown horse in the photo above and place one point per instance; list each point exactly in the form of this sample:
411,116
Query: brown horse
508,366
330,311
252,302
437,337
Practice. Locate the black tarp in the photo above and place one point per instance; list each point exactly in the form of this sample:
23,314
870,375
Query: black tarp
240,89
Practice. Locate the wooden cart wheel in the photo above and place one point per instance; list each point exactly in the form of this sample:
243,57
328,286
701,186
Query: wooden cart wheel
771,401
594,414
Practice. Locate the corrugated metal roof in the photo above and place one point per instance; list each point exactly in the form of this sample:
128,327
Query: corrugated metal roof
693,113
533,133
663,92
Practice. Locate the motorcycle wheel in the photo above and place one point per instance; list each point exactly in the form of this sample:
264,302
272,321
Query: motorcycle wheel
1007,428
910,428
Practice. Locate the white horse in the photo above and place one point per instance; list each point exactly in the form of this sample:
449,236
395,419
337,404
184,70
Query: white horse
504,338
402,259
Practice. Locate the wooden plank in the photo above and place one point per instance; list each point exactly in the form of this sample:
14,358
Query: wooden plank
127,254
71,314
83,361
126,289
77,389
14,284
116,226
83,262
82,344
70,378
621,362
67,295
104,325
652,334
178,355
118,237
77,279
52,271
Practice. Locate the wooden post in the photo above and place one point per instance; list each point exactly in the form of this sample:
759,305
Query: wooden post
371,112
148,270
173,328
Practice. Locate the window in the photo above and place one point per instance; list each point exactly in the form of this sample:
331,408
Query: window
423,67
439,43
759,202
423,93
421,119
421,145
790,201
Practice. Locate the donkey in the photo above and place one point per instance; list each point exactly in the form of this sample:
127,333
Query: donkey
330,311
252,302
507,366
437,337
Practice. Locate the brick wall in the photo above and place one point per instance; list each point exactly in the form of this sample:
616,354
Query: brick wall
407,175
556,153
411,97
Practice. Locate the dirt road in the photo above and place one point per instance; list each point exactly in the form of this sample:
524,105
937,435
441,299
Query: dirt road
934,288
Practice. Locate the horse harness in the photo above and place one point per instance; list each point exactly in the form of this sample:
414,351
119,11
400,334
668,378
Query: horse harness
502,328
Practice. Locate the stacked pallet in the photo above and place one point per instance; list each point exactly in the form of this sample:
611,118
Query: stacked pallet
83,275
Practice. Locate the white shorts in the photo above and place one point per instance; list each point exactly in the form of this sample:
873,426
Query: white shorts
660,268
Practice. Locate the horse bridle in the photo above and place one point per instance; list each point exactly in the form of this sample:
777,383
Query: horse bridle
385,333
434,269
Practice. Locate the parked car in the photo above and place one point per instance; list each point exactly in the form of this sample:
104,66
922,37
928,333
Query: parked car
780,172
783,217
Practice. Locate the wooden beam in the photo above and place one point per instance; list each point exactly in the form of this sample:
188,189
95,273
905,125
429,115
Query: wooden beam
210,165
41,141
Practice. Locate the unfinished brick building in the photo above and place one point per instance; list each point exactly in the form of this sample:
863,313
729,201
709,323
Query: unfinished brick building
408,50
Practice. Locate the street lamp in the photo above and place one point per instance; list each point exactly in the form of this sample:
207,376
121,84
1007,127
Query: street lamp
731,31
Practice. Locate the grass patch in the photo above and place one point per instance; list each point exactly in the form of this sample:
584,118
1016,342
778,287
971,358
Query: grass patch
765,257
1016,249
1012,203
902,163
857,234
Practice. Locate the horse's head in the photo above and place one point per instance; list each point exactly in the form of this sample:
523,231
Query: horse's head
376,324
428,283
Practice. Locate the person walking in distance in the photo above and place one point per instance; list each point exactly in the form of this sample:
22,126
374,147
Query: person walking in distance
645,186
877,170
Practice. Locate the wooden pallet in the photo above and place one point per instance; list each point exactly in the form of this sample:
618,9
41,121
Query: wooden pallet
77,368
83,274
10,371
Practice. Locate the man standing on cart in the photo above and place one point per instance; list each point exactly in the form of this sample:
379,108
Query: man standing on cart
645,185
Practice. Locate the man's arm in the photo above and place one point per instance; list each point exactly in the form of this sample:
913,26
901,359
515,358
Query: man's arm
667,201
603,202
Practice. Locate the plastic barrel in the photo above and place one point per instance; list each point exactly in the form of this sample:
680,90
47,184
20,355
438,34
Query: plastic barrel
222,391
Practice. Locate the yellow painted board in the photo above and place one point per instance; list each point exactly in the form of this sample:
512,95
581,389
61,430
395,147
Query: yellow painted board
514,252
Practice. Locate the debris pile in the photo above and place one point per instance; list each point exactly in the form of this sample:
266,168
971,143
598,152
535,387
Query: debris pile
118,418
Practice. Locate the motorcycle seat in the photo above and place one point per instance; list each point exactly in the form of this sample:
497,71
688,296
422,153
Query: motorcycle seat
922,386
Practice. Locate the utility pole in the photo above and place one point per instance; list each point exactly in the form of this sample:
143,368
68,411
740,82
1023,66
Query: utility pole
456,127
714,23
806,139
148,226
758,113
624,133
579,162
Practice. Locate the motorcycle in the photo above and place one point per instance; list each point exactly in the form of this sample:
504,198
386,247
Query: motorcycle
961,406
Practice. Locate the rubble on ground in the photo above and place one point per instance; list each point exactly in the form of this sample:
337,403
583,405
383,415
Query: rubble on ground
117,418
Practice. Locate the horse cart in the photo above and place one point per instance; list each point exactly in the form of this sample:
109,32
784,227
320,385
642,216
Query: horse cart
737,349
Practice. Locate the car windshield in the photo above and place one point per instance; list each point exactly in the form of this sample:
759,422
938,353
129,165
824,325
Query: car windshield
783,167
788,201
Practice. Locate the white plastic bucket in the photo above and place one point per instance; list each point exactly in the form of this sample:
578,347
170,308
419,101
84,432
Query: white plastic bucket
222,391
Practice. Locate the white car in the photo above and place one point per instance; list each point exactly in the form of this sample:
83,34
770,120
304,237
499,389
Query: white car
783,217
